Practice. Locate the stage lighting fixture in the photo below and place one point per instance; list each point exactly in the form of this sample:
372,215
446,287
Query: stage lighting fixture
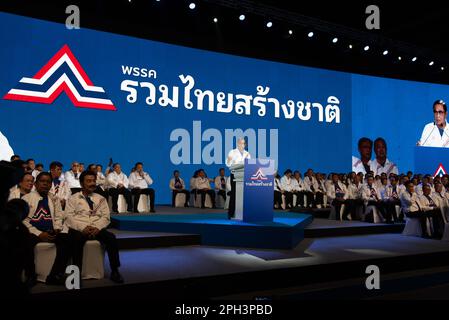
310,35
269,24
334,40
366,48
192,5
242,17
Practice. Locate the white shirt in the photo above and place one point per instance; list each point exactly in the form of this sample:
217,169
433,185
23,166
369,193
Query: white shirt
201,183
35,173
237,157
287,183
217,183
388,167
298,185
101,180
72,181
172,184
114,179
331,194
357,165
409,203
6,151
62,192
79,215
142,182
431,136
14,193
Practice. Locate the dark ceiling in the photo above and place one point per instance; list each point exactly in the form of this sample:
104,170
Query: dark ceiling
407,29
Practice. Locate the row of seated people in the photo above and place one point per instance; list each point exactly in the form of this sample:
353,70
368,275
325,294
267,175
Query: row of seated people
114,183
85,217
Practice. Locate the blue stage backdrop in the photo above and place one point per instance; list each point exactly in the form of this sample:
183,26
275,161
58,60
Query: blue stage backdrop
86,95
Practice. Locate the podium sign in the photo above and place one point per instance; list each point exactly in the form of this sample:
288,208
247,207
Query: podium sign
258,190
430,160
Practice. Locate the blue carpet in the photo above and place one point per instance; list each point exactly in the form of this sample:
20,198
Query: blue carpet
285,232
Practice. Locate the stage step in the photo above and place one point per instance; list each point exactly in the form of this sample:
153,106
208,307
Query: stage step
129,240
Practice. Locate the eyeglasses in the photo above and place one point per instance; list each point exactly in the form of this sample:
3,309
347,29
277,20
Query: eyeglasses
439,112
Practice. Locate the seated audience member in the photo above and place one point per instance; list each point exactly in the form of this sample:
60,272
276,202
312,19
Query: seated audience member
298,189
412,208
24,187
15,157
139,182
390,197
429,206
118,184
371,196
442,196
355,199
81,168
45,224
72,178
87,217
101,181
220,184
313,190
31,166
202,186
277,191
337,195
38,169
177,186
287,187
322,189
59,189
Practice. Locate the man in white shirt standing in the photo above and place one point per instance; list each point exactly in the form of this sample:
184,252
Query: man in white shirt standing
118,184
220,184
87,217
436,133
139,181
73,178
236,156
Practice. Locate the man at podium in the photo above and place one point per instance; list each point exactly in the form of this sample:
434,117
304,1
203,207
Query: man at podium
236,156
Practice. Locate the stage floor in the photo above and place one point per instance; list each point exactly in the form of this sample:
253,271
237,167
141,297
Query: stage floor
284,232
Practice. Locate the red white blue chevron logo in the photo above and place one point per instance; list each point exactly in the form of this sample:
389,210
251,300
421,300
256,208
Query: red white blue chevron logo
441,171
258,175
62,73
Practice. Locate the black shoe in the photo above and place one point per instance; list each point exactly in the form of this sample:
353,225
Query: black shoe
203,207
55,280
152,211
116,277
31,281
186,205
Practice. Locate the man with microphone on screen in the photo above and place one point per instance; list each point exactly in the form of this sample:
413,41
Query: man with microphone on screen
436,134
236,156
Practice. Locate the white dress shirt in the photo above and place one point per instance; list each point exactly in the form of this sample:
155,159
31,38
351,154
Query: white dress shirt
431,136
172,184
61,192
388,167
72,180
237,157
201,183
115,179
298,185
140,181
357,165
409,202
79,215
287,183
217,183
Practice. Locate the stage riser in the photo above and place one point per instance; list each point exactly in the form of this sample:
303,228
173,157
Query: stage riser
215,286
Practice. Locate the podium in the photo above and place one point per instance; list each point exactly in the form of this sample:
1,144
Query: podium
431,160
254,190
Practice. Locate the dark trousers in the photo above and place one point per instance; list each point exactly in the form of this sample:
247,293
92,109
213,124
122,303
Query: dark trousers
390,210
288,199
319,198
137,192
115,192
310,198
277,198
176,192
64,251
437,221
351,207
106,238
202,194
337,203
231,209
299,198
222,193
379,206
